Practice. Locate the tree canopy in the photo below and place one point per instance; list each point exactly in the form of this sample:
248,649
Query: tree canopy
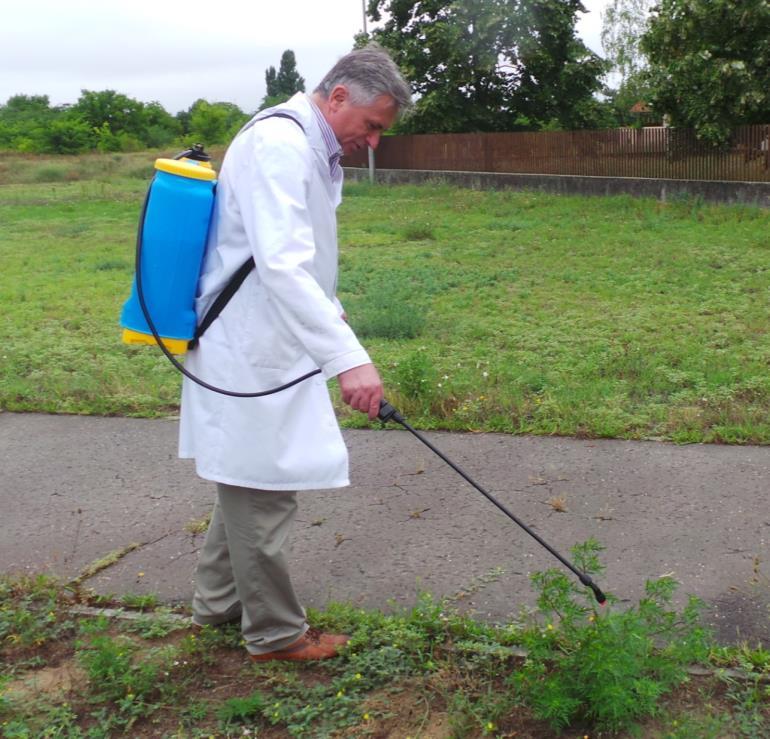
624,22
215,123
491,65
107,120
623,25
284,83
709,64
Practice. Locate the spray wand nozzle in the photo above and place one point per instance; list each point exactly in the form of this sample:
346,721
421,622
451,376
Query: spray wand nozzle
389,413
601,598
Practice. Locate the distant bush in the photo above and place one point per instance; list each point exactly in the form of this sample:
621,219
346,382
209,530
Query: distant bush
67,136
388,315
53,173
418,232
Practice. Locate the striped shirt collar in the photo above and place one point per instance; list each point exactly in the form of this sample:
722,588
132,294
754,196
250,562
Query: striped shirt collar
333,147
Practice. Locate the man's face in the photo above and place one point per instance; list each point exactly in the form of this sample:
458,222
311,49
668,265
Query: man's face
358,126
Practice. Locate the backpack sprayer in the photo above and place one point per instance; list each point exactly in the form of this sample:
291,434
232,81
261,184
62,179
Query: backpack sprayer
171,240
170,246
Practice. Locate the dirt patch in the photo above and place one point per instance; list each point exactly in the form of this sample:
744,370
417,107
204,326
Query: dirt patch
407,712
53,682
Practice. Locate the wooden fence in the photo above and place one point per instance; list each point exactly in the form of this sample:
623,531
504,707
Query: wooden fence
654,152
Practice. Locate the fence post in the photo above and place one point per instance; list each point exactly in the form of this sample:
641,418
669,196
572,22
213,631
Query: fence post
371,165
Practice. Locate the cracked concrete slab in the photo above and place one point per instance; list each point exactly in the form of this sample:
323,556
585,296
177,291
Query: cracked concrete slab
74,489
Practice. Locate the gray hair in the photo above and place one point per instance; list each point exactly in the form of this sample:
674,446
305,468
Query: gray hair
367,73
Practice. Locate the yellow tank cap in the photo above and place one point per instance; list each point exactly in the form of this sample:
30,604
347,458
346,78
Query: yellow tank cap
186,168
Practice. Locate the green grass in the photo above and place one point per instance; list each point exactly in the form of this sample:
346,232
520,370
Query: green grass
499,311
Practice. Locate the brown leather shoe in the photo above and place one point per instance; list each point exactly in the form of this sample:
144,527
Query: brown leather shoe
336,639
312,645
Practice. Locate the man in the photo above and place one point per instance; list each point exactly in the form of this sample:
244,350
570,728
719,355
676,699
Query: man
278,190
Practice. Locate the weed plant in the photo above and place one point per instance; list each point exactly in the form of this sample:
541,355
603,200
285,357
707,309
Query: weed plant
30,614
607,669
750,696
389,314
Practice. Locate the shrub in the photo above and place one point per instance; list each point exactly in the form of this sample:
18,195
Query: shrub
389,315
415,377
606,668
418,232
51,173
68,136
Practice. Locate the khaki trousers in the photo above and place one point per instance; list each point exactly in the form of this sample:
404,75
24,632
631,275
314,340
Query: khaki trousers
242,570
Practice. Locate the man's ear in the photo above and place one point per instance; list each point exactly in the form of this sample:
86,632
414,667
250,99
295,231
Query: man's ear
338,96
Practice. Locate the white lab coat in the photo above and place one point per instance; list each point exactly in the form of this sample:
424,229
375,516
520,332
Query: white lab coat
275,200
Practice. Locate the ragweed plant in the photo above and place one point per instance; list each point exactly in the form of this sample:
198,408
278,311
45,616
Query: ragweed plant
242,710
30,613
750,696
605,668
131,682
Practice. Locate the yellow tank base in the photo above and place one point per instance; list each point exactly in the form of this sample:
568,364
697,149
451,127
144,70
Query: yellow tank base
175,346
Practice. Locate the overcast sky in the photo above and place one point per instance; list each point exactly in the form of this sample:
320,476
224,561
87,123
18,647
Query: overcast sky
176,51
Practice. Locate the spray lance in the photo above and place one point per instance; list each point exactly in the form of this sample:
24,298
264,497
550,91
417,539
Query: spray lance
389,413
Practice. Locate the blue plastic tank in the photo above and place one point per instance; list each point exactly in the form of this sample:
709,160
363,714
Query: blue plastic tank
174,234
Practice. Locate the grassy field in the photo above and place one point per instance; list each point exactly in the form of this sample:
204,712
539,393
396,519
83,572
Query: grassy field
501,311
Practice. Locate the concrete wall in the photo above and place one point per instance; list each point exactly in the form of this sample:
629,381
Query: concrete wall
751,193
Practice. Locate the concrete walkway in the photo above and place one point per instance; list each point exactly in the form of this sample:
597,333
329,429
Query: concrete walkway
74,489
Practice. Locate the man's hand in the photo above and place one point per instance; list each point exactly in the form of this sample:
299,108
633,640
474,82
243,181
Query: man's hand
362,389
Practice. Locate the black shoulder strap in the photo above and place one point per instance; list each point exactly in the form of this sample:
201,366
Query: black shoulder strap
282,114
240,275
222,300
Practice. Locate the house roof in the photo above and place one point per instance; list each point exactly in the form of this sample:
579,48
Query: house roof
641,107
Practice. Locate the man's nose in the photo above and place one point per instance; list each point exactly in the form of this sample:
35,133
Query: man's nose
373,139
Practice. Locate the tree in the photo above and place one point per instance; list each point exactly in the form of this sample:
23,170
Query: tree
558,74
121,123
623,25
27,108
288,80
490,65
214,123
160,127
281,85
271,82
23,122
710,64
68,134
120,113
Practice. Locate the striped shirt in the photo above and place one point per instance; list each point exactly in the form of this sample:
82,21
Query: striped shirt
333,147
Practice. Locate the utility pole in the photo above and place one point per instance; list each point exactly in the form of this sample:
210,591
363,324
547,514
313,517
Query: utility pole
371,151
